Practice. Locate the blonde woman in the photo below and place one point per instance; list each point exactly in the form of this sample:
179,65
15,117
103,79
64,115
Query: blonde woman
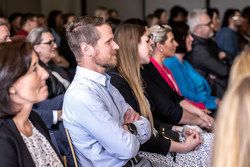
240,67
161,86
135,50
232,137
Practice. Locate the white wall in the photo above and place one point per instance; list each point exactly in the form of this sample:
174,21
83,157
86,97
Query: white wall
22,6
126,8
133,8
223,5
168,4
7,7
65,6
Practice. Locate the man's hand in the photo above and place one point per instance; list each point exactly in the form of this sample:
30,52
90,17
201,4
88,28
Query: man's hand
130,117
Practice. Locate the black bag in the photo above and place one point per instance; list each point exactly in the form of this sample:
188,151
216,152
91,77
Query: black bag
167,133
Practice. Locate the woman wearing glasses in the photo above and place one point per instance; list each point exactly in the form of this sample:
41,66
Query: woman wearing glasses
50,109
44,45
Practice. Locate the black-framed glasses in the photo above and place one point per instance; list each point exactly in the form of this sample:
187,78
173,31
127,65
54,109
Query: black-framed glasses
51,42
208,24
151,36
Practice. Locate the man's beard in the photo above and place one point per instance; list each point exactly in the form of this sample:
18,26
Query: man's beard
107,66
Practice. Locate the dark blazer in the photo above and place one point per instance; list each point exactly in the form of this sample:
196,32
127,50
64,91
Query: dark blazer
164,99
204,57
55,87
13,150
154,144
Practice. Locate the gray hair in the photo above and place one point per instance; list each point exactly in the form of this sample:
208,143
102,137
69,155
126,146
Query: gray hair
194,18
35,35
159,33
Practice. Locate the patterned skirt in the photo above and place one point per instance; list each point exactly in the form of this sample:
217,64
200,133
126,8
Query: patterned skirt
197,158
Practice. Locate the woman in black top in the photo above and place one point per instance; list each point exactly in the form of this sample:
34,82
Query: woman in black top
24,138
126,78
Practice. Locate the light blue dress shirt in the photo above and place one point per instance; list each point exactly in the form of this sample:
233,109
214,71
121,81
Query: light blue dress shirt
94,120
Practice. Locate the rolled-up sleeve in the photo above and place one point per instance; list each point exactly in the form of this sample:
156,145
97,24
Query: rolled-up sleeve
104,130
143,130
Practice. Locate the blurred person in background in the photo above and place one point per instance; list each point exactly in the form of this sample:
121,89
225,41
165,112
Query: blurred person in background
15,23
178,13
227,37
162,15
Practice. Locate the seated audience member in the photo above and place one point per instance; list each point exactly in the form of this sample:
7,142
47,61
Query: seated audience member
178,14
113,14
24,138
114,23
50,109
162,15
28,22
15,23
5,20
163,50
152,20
170,106
246,13
104,129
44,45
240,67
102,12
42,22
67,18
214,15
191,84
63,60
55,25
232,144
4,33
64,50
244,30
126,78
206,57
227,37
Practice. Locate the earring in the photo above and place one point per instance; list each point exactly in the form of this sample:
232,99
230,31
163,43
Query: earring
13,92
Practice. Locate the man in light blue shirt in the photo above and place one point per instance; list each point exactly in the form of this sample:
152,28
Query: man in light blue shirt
104,129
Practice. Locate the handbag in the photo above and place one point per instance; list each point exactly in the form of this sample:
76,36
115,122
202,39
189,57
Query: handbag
167,133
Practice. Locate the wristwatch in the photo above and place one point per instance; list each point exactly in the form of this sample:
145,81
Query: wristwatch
132,128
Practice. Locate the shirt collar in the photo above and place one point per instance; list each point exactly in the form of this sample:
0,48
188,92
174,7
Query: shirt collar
103,79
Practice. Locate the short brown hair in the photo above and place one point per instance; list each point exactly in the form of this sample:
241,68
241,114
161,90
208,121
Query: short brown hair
83,29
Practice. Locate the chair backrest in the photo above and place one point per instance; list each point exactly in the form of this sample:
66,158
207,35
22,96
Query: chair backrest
71,147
